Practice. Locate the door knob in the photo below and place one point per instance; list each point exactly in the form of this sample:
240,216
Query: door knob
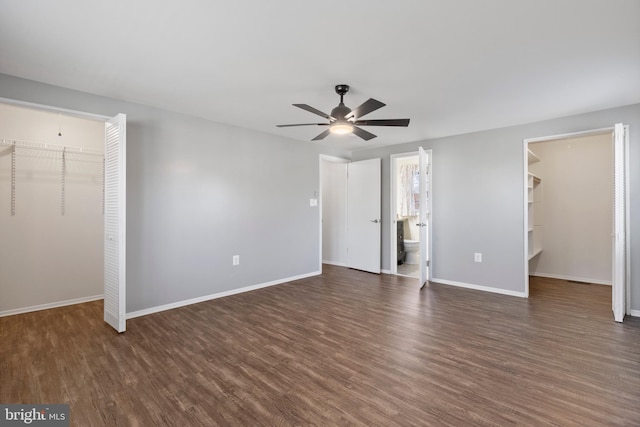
375,220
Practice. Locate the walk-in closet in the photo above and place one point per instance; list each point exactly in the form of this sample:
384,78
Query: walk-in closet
571,208
51,209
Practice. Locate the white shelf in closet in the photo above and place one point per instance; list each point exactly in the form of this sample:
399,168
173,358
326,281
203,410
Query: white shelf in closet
534,253
534,199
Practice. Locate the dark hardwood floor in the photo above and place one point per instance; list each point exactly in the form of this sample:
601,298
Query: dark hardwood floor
344,348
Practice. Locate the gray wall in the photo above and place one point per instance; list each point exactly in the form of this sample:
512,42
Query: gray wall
478,198
198,193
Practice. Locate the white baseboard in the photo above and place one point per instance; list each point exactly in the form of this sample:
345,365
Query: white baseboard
339,264
573,278
342,264
50,305
480,288
634,313
204,298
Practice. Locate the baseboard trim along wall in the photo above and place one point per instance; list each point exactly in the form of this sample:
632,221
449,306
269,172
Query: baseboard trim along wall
50,305
635,313
480,288
204,298
574,279
339,264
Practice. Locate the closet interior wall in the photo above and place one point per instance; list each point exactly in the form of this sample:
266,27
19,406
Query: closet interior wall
51,251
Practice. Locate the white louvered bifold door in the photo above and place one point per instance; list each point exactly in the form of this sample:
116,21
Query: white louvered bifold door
619,226
115,223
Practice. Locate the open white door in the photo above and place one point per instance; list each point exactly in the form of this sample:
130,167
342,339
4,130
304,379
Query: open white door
619,226
363,215
115,223
424,212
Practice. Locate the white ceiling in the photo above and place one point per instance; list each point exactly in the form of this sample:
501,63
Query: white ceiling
452,66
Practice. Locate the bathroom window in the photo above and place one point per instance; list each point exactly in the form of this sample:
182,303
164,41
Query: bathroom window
409,199
415,192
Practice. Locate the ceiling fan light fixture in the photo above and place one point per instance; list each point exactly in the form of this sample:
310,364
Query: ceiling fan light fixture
341,128
344,121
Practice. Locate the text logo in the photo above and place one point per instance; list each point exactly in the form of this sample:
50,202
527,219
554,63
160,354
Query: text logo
36,415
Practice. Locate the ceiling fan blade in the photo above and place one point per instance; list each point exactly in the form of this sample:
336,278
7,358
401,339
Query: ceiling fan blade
304,124
314,111
365,108
383,122
323,135
363,133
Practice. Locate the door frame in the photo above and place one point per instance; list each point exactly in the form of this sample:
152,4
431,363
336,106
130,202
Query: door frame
393,244
525,164
68,112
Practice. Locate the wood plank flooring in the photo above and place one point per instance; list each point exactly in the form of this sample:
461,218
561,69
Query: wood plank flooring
344,348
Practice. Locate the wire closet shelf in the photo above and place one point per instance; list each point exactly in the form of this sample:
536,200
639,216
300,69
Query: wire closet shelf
63,149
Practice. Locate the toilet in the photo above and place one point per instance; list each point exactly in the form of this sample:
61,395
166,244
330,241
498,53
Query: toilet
411,248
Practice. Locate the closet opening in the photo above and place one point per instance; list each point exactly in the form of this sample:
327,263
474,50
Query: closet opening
333,211
350,221
58,196
575,214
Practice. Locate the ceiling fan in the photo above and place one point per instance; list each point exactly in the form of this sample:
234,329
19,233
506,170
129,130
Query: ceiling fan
343,120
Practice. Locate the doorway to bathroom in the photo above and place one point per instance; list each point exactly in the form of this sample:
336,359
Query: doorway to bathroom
410,214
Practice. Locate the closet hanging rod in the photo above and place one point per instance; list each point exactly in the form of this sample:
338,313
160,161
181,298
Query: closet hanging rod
50,147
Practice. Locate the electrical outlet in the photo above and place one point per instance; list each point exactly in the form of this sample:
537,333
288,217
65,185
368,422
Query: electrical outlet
236,259
477,257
